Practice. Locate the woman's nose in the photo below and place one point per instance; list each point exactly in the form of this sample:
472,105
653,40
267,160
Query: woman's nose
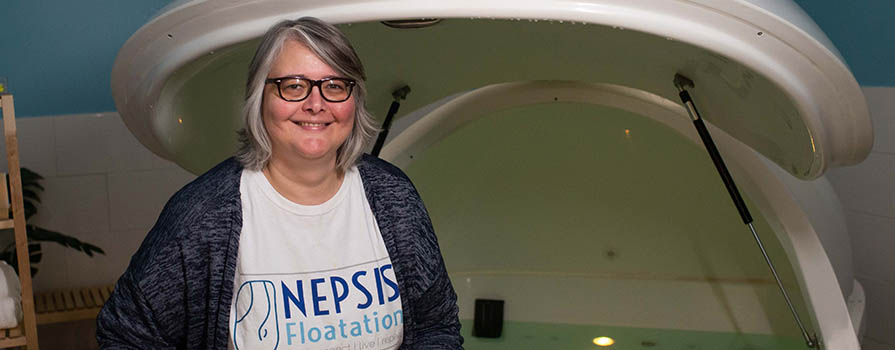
314,103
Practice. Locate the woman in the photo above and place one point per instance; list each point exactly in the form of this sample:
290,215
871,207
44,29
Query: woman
298,242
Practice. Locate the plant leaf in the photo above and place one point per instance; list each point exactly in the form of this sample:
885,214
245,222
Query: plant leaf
36,233
30,194
30,210
31,190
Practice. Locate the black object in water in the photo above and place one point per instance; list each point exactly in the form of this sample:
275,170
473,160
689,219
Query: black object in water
488,322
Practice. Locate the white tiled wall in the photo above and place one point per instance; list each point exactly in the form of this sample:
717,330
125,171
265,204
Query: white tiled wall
867,191
101,186
137,207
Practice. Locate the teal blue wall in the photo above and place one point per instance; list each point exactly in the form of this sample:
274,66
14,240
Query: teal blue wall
57,55
864,33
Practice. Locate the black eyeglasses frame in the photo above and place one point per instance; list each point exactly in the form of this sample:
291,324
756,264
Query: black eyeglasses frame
318,83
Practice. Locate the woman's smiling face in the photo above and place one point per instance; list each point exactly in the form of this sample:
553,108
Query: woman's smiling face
310,129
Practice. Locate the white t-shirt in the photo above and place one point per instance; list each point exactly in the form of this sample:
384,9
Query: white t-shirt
312,277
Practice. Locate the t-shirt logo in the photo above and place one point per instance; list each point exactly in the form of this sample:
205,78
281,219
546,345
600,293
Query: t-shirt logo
262,297
351,308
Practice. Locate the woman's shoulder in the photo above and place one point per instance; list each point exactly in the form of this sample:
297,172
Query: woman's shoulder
217,184
201,214
221,180
214,194
376,170
385,184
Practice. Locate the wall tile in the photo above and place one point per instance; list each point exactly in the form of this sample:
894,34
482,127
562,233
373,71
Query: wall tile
54,269
74,204
122,246
867,187
873,344
36,146
65,268
880,310
125,152
138,197
97,143
881,101
82,144
106,268
873,238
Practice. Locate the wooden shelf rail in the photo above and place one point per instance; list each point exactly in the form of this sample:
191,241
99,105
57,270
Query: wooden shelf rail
70,305
26,334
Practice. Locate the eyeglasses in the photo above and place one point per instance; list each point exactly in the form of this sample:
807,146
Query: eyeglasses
295,89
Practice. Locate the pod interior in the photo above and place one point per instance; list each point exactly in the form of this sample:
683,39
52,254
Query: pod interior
604,223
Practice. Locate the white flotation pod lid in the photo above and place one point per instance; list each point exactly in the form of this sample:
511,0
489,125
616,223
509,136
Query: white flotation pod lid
763,71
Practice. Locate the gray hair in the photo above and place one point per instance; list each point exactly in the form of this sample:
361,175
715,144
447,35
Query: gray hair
333,48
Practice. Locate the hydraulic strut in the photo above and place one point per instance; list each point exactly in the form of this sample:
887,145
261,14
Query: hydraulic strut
397,95
682,83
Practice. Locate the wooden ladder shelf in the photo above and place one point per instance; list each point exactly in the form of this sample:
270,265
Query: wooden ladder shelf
71,304
26,333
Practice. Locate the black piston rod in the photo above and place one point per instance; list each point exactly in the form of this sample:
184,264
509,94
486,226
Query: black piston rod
682,83
398,95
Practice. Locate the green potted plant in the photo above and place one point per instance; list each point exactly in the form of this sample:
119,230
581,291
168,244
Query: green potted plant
31,189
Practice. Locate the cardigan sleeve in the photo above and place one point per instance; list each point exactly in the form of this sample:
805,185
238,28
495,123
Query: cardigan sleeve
146,309
127,321
176,291
437,323
432,309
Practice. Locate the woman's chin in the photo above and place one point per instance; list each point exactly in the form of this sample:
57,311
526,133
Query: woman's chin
315,153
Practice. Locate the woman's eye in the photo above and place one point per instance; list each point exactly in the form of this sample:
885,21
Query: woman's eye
334,87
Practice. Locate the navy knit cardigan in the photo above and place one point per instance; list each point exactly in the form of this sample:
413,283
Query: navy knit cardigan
177,290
